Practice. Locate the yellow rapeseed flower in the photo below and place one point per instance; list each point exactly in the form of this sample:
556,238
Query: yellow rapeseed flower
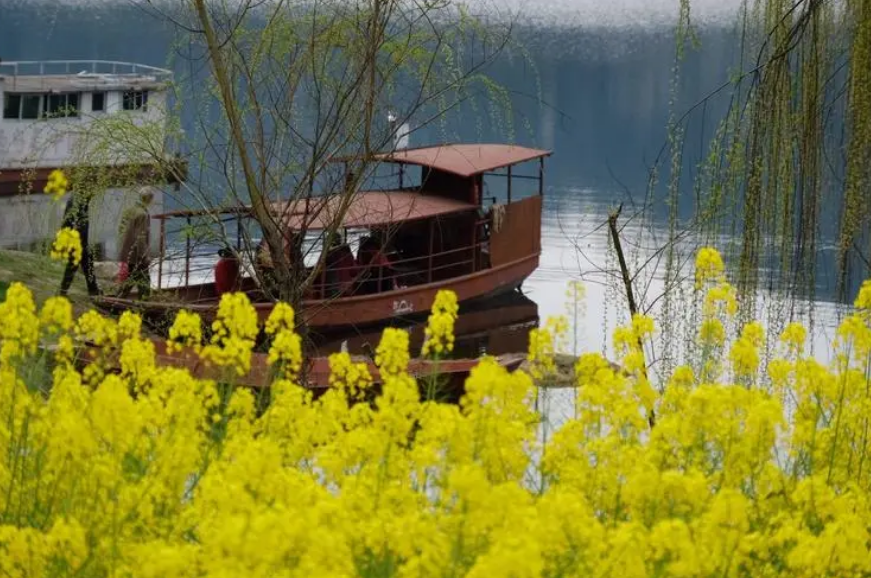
863,299
794,336
440,327
186,331
643,326
56,315
712,332
19,324
93,328
234,332
540,355
391,355
744,357
67,246
57,184
126,466
286,350
348,375
709,266
281,317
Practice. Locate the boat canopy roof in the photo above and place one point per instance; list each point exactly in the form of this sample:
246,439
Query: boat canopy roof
465,160
364,209
367,209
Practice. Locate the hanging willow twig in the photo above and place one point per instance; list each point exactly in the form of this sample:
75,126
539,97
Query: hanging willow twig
789,168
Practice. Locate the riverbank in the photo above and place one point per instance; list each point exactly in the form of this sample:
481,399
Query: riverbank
41,275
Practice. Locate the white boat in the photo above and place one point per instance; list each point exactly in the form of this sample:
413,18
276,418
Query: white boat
47,108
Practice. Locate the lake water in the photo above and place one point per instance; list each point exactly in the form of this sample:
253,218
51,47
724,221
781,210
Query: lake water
604,71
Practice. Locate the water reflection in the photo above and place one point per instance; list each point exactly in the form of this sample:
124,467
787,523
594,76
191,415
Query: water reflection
575,246
494,326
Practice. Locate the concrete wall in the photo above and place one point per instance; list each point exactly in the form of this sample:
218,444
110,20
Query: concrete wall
29,219
58,141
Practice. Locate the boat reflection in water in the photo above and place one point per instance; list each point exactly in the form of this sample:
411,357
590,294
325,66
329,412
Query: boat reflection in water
496,326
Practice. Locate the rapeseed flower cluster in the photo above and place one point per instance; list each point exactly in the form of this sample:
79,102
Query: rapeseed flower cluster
391,355
234,333
57,184
440,327
750,468
67,246
286,349
186,332
354,377
709,266
543,344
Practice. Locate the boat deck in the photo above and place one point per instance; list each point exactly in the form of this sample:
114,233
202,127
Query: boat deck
83,83
80,75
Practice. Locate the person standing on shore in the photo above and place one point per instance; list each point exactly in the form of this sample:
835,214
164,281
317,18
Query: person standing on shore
76,217
135,253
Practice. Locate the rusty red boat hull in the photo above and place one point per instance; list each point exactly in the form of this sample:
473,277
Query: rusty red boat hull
358,310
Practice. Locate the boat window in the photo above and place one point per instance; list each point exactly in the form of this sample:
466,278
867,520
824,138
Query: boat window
135,100
66,104
30,106
98,101
11,105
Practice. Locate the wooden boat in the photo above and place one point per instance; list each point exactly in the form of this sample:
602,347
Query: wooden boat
317,370
443,232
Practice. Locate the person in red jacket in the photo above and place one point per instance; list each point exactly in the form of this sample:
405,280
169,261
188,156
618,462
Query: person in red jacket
226,272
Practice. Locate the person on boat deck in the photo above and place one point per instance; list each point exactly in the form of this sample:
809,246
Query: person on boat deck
265,266
226,272
76,217
340,268
135,253
372,257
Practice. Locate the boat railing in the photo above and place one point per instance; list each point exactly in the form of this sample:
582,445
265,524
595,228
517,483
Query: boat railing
101,68
399,272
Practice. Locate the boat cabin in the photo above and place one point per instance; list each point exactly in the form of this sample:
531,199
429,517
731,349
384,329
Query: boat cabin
392,249
47,111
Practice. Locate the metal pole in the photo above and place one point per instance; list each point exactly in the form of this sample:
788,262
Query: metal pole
162,252
187,253
541,177
380,275
429,262
509,184
475,247
401,173
239,232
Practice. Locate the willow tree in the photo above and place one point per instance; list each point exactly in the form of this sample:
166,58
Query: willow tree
793,153
291,86
787,175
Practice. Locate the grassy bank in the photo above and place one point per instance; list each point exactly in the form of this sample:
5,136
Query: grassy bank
41,275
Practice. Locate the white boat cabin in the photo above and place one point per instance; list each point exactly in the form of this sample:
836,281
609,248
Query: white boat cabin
47,110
